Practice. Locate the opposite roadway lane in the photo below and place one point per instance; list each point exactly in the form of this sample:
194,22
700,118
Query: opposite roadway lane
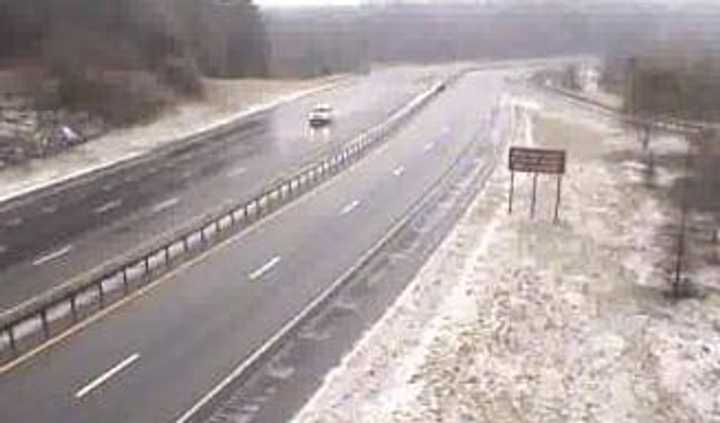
48,240
155,357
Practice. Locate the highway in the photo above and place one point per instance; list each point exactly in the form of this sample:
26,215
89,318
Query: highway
47,240
153,358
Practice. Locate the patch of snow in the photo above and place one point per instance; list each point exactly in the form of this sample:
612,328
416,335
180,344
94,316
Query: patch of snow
517,320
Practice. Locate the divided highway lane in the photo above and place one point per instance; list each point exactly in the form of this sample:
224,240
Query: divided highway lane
155,357
47,241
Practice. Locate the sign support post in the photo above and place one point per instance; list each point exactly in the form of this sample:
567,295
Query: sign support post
557,200
534,195
512,191
537,161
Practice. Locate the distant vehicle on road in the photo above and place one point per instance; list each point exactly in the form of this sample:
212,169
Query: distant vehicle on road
321,115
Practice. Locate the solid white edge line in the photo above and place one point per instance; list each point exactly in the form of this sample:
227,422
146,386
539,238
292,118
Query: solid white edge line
106,376
265,268
52,256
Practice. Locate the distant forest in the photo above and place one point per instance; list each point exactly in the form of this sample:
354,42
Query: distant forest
312,41
224,38
233,38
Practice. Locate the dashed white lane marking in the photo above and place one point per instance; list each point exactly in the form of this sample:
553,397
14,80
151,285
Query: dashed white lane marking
3,249
157,208
49,209
52,256
429,146
107,207
399,171
236,172
108,187
106,376
265,268
15,222
349,208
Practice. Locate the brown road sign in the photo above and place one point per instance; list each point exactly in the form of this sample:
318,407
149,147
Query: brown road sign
535,160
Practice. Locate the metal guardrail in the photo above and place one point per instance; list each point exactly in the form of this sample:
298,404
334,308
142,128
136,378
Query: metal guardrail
37,320
200,410
663,123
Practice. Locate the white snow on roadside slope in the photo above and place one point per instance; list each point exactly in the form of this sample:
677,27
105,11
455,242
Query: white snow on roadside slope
555,324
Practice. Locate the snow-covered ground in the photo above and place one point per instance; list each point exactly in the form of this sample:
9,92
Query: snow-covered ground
543,322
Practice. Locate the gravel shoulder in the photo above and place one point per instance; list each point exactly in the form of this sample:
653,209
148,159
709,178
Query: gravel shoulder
543,322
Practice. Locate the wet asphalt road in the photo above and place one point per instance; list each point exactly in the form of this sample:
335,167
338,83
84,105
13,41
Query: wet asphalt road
153,358
46,241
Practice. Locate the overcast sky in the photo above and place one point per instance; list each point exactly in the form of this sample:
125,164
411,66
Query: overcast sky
304,2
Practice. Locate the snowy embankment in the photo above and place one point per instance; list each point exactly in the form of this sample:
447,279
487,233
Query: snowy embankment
540,322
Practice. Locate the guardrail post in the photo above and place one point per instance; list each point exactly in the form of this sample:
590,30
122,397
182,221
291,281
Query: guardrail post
73,307
202,236
44,321
167,255
186,245
147,267
11,339
217,227
101,294
126,286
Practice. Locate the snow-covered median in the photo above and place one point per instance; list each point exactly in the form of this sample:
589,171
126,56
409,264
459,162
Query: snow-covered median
543,323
